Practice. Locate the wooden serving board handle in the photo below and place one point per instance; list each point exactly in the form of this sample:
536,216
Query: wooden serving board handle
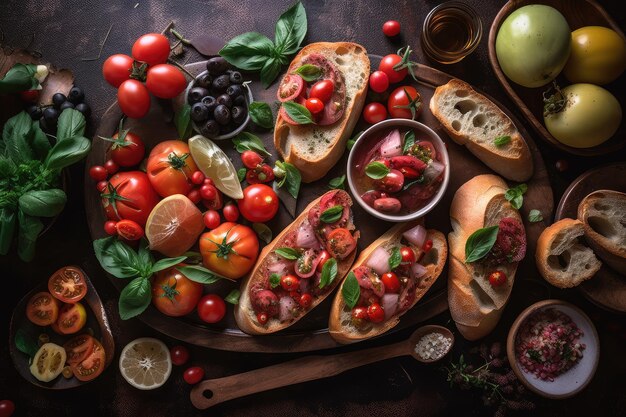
292,372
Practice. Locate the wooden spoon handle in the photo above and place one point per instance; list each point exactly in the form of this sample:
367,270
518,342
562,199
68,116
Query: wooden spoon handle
292,372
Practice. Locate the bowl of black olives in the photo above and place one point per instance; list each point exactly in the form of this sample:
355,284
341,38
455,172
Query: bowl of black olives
219,100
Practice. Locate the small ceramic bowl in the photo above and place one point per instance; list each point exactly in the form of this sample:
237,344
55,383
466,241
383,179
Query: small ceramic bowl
423,331
370,138
240,128
575,379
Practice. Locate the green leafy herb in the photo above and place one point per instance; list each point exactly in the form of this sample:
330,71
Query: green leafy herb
405,53
331,214
20,77
535,216
182,121
165,263
8,221
409,141
25,343
135,298
292,178
246,141
264,232
241,174
502,140
233,297
270,71
350,143
376,170
480,243
395,259
419,180
199,274
534,355
261,114
329,273
337,183
515,195
29,228
43,203
274,280
67,153
350,291
288,253
290,30
298,113
309,72
71,123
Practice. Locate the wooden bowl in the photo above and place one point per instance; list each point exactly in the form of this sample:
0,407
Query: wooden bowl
424,330
576,378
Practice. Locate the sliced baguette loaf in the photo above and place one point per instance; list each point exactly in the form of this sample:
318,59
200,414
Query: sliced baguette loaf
561,257
340,324
603,214
474,121
475,305
315,149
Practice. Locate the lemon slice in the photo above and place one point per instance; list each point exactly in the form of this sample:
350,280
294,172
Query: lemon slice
145,363
214,164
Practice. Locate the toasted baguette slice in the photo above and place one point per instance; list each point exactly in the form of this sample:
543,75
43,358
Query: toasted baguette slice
603,214
340,324
561,257
474,121
475,305
315,149
244,312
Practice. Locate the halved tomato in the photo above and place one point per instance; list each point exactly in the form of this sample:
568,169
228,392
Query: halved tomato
68,284
340,243
291,87
42,309
78,348
92,366
72,318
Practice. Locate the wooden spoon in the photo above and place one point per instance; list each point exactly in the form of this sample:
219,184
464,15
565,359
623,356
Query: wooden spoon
214,391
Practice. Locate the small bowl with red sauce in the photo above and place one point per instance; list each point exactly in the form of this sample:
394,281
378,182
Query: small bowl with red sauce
553,348
398,170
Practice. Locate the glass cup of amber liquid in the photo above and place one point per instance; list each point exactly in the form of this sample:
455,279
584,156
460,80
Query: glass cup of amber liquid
451,32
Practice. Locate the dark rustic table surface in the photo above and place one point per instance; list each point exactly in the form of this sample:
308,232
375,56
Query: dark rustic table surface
66,31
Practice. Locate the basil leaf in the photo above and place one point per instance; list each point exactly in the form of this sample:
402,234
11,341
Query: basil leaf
395,259
182,121
309,72
290,30
116,258
43,203
332,214
350,143
67,152
25,343
502,140
29,228
233,297
246,141
241,174
337,183
376,170
248,51
145,260
329,273
135,298
21,77
350,291
165,263
298,112
288,253
264,232
419,180
8,221
16,134
261,114
480,243
270,71
71,123
535,216
199,274
274,280
515,195
409,141
293,179
40,144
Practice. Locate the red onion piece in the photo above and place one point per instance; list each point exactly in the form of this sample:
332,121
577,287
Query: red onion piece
286,308
392,144
306,236
416,235
433,170
390,304
379,260
281,267
418,270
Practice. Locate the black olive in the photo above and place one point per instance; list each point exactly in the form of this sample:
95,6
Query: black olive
84,109
204,81
239,114
34,112
196,94
222,114
210,102
239,101
76,95
58,99
51,115
43,125
234,90
66,105
217,65
210,129
225,100
235,77
221,83
199,112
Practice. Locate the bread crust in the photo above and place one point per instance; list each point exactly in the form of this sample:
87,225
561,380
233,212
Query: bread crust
345,335
244,313
314,169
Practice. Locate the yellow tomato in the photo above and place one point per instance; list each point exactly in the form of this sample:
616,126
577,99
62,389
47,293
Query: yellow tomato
598,56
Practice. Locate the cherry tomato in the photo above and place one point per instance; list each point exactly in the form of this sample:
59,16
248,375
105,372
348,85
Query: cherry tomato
211,308
30,96
290,282
129,230
262,317
323,257
194,196
133,98
314,105
360,313
291,87
375,313
231,212
7,408
109,227
379,81
127,150
214,203
98,173
408,256
322,90
404,103
387,64
340,243
101,186
208,192
305,300
151,48
212,219
391,28
117,68
259,203
391,282
428,245
193,375
497,278
170,167
165,81
251,159
111,167
209,181
179,355
261,174
197,177
374,113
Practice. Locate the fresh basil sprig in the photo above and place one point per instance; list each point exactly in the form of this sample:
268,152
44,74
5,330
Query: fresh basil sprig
246,141
26,343
241,174
395,259
480,243
182,121
350,143
233,297
331,214
409,141
309,72
351,291
502,140
289,176
200,274
329,273
298,113
253,51
274,280
376,170
515,195
337,183
20,77
261,114
535,216
288,253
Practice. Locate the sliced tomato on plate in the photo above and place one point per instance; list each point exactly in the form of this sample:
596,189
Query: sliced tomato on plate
42,309
340,243
68,284
92,366
79,348
72,318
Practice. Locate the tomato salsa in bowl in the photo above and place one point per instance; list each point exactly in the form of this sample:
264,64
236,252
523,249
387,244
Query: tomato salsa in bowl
398,170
